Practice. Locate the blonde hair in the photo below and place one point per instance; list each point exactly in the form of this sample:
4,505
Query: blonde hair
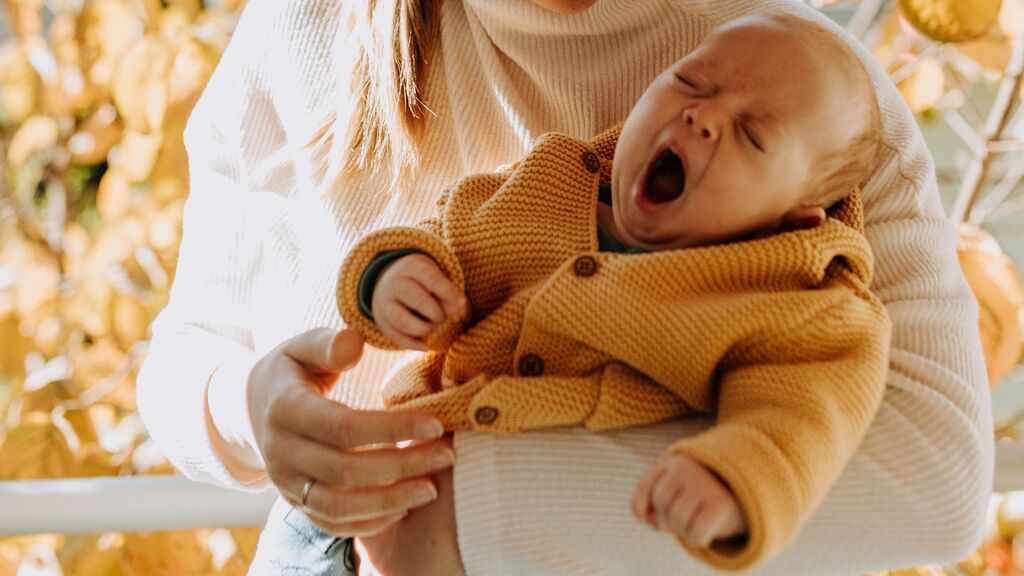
848,165
386,49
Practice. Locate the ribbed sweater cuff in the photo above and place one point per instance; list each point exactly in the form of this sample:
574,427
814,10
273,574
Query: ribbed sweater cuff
228,422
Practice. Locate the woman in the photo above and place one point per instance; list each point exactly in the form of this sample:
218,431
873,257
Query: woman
423,92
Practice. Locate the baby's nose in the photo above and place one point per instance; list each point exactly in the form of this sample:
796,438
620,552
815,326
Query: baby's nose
701,120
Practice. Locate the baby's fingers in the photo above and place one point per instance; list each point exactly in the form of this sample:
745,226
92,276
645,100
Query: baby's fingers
446,292
417,298
641,503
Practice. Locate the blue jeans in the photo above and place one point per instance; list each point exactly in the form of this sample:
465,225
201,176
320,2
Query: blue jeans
291,545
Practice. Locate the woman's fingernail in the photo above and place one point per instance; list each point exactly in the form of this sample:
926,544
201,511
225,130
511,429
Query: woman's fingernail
443,459
431,429
424,494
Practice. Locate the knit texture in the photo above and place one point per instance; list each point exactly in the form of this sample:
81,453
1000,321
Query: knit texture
263,242
562,334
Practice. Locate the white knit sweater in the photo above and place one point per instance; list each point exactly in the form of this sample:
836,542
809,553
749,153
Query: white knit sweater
261,252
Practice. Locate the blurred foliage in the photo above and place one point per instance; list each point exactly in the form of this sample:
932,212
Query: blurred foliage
94,96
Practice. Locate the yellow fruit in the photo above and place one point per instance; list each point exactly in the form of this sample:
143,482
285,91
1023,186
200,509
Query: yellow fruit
1010,516
923,89
996,284
951,20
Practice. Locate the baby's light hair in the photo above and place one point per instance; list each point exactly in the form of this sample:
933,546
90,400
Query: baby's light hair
838,171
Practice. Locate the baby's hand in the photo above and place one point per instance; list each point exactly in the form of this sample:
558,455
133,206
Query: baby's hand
412,298
680,496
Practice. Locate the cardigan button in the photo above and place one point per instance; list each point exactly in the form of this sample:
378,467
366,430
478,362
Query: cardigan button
531,365
591,161
486,415
584,266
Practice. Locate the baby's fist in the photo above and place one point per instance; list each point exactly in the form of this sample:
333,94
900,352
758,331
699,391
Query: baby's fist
681,496
413,298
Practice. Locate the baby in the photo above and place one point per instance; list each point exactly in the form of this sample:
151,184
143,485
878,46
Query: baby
725,271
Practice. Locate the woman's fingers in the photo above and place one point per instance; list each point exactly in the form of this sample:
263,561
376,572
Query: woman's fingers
324,350
337,425
353,470
362,529
334,505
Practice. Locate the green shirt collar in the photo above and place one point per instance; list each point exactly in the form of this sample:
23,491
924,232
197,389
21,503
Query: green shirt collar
605,241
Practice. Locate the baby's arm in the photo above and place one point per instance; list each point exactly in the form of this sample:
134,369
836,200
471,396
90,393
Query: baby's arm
412,298
410,264
791,410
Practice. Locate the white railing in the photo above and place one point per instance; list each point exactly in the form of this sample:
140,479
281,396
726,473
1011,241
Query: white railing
128,504
153,503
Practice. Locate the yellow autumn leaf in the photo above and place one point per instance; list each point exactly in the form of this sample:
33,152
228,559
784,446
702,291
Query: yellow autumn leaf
35,449
99,563
129,320
106,29
951,20
140,86
136,154
97,462
77,243
37,135
164,554
37,284
94,362
94,138
86,307
15,347
114,195
194,63
245,542
19,85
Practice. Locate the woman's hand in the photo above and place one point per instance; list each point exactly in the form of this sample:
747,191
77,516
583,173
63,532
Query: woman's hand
363,481
424,542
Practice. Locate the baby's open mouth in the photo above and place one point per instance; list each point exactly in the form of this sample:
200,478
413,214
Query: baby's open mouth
666,178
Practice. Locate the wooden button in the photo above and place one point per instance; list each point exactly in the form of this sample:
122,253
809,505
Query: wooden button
531,365
486,415
591,161
584,266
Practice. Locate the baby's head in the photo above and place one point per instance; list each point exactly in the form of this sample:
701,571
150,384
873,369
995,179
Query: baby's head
765,125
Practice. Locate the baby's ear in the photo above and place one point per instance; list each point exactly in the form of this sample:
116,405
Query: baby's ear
802,218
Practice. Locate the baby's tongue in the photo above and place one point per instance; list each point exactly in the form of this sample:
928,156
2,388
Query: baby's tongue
666,179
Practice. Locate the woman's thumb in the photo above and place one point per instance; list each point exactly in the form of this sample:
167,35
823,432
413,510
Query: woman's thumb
326,350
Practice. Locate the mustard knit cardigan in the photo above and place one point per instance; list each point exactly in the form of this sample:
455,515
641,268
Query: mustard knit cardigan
779,337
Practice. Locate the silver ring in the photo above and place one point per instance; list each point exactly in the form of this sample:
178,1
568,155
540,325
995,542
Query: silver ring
305,492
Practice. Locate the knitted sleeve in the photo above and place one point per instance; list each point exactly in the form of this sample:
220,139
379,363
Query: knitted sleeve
791,412
427,238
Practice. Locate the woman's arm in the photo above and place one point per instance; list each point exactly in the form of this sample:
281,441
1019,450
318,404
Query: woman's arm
202,346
